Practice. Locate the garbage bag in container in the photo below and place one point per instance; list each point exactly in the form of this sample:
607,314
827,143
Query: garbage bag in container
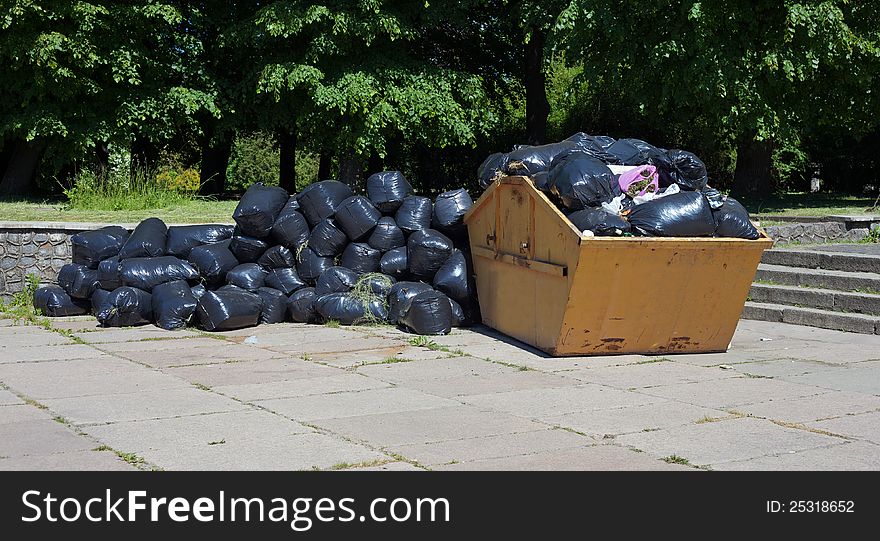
361,258
349,310
688,171
335,280
494,166
386,236
183,238
249,276
258,208
227,310
326,239
399,294
213,261
449,210
148,272
198,290
147,240
310,265
601,222
247,249
684,214
274,309
173,304
429,312
583,181
426,252
290,228
321,199
123,307
528,160
414,214
78,280
301,305
89,248
277,257
732,220
387,190
53,301
393,263
285,280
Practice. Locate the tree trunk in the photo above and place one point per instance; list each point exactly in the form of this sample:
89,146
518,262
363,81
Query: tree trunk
375,164
19,175
350,168
144,155
287,150
215,160
102,154
752,174
325,163
537,106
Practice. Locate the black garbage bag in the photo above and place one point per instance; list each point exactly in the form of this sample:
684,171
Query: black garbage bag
399,294
321,199
414,214
449,210
247,249
249,276
277,257
716,198
542,180
393,263
258,208
148,272
528,160
301,306
89,248
108,274
213,261
459,319
684,214
78,280
688,171
52,301
335,280
123,307
452,279
326,239
386,236
147,240
493,167
378,284
592,146
349,310
429,312
361,258
732,220
285,280
198,290
310,265
173,304
583,181
274,305
387,190
426,252
183,238
229,309
290,228
596,142
601,222
357,217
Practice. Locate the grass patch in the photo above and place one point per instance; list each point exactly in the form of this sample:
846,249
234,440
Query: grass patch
707,419
306,357
652,361
103,448
34,403
187,211
675,459
650,429
519,367
810,204
364,464
573,431
425,342
131,458
332,323
755,376
218,442
60,419
201,386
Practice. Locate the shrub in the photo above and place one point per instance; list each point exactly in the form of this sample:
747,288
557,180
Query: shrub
119,190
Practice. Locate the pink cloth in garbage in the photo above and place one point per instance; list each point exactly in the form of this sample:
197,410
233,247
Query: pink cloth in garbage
644,177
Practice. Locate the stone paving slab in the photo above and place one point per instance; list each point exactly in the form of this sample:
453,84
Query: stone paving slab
127,334
186,356
783,367
732,392
18,336
49,353
194,431
617,421
487,447
354,404
432,369
860,377
171,343
250,392
20,413
813,408
847,456
425,426
139,406
742,438
649,374
864,426
390,466
39,437
595,458
272,370
67,461
544,403
9,399
492,383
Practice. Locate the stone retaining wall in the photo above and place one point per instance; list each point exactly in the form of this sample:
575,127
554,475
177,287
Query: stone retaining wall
814,233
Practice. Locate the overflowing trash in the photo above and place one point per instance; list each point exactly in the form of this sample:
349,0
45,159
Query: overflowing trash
624,187
324,254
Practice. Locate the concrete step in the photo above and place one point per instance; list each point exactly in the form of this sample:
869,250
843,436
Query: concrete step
827,279
823,299
812,317
819,259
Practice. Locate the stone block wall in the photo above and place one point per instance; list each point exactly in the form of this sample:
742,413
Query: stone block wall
26,251
814,233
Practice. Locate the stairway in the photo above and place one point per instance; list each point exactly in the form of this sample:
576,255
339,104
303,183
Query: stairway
828,286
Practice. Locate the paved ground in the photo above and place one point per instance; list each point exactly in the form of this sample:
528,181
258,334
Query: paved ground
299,397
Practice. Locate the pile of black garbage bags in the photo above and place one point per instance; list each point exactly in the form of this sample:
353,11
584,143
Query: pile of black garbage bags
611,187
320,255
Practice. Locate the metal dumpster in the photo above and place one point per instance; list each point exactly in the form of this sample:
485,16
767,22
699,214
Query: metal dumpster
541,282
